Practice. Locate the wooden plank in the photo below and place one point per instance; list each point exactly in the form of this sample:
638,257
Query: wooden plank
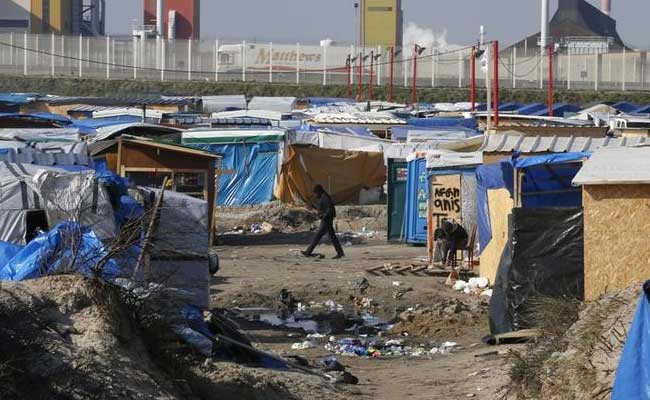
150,229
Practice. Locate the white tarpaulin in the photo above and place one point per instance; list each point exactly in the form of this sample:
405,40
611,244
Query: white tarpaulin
612,165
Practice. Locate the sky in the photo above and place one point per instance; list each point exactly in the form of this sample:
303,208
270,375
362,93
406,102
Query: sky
308,21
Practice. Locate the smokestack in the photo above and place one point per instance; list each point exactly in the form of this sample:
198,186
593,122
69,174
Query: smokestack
159,17
544,30
606,6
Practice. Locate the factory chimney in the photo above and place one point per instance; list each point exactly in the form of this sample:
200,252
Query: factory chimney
159,17
606,6
544,31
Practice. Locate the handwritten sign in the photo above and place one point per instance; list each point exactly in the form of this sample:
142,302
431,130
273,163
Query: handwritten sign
446,198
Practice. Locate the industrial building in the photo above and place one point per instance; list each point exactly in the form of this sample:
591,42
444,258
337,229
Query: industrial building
381,23
181,19
577,27
86,17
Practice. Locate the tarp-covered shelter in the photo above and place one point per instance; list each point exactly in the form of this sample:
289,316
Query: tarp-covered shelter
616,194
438,122
452,175
543,254
251,157
223,103
279,104
342,173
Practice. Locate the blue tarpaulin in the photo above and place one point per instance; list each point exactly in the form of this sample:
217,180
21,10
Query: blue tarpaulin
42,116
558,110
16,98
625,106
471,123
68,247
529,109
633,373
488,176
546,183
509,107
642,110
90,125
255,166
326,101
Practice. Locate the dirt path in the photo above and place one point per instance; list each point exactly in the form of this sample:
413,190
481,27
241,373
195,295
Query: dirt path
255,268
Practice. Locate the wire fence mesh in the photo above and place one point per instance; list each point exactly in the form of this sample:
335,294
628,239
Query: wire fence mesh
296,63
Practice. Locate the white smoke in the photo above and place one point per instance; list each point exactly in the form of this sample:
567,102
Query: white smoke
425,37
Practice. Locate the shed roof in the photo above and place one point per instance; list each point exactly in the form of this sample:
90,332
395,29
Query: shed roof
621,166
515,141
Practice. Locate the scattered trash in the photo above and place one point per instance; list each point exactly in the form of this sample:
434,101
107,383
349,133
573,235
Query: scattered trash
344,377
331,364
487,293
303,345
459,285
266,227
399,293
397,283
333,306
256,228
376,348
316,336
360,284
480,283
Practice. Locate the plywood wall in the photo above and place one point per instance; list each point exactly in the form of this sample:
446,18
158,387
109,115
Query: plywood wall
617,228
500,205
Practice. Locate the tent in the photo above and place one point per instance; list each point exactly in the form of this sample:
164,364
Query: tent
252,158
223,103
342,173
471,123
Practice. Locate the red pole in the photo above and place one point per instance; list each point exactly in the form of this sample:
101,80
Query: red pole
392,66
472,92
360,85
372,64
414,93
550,80
495,99
349,68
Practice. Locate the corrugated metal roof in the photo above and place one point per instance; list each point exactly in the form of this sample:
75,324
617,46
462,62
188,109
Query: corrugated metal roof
616,166
126,101
514,141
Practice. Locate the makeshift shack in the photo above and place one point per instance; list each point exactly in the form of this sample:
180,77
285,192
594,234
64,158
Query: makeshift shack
441,185
396,196
343,174
616,195
253,158
147,163
543,256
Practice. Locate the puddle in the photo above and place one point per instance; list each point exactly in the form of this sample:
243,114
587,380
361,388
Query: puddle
310,322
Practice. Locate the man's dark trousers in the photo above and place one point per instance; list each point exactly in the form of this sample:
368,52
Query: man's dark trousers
326,227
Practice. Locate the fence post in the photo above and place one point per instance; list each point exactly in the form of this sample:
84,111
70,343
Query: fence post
25,56
624,67
62,50
135,59
495,46
568,69
550,80
540,68
216,60
596,71
352,53
189,59
380,57
81,53
297,63
88,53
163,58
271,62
243,61
11,46
52,58
405,69
472,79
514,67
324,65
108,57
460,70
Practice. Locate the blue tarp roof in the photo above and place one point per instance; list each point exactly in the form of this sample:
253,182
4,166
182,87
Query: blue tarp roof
15,98
325,101
511,106
89,126
625,106
529,109
558,110
642,110
550,173
60,119
443,121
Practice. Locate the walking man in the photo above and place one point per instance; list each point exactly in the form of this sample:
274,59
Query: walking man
326,213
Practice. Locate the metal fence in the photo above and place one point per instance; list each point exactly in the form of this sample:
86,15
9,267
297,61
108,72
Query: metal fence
220,60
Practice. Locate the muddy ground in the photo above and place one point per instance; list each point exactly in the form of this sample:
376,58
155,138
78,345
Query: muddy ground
255,268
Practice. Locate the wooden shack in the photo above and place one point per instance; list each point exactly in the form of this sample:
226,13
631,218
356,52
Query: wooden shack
616,201
147,163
